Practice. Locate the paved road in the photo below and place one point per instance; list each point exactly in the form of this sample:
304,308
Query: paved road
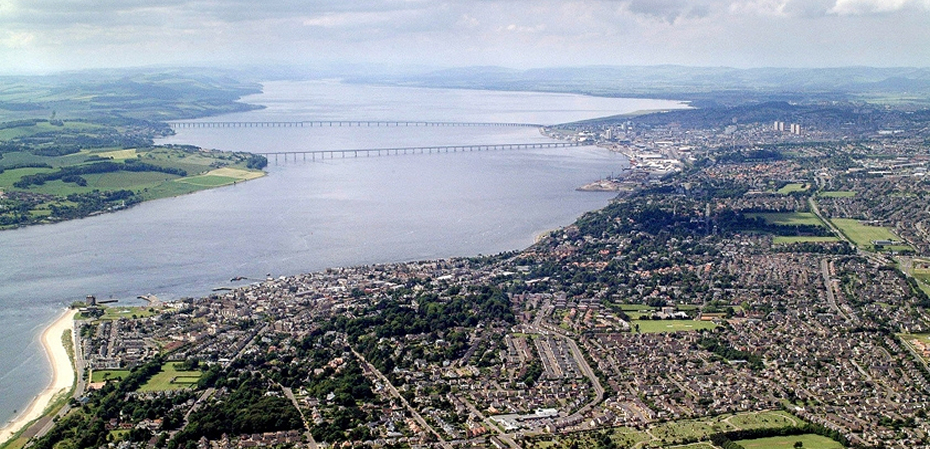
828,283
387,384
290,395
582,363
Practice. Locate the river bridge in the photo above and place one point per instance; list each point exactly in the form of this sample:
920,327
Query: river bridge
346,123
367,152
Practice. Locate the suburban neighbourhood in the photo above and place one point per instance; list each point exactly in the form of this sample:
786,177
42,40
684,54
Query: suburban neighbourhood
761,273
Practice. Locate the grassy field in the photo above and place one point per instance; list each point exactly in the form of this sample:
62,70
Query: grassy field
923,278
113,313
237,173
913,340
108,374
762,420
8,177
119,434
793,187
120,180
169,189
837,194
808,442
636,307
44,127
701,428
668,434
789,218
47,201
171,379
221,177
655,326
687,429
208,181
783,240
118,154
861,234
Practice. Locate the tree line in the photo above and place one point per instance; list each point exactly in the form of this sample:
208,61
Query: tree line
73,173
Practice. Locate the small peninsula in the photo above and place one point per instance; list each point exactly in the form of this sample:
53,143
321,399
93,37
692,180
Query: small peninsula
83,147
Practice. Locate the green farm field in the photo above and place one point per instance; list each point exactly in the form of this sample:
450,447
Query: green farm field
46,127
8,177
50,200
208,181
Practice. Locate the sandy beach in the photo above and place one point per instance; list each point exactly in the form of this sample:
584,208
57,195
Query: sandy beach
62,374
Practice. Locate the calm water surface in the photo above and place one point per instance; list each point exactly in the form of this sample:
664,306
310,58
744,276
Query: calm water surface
306,216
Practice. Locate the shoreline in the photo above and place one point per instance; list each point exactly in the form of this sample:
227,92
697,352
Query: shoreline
62,375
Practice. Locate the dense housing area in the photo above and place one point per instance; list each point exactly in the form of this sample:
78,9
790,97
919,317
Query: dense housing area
760,287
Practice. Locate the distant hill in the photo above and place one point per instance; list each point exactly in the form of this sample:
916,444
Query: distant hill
703,85
147,94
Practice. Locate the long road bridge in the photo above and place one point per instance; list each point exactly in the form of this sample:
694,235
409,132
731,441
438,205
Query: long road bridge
332,154
338,123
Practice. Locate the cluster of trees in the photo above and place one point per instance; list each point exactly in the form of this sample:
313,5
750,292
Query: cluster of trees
735,221
90,202
641,214
748,155
432,314
64,141
23,165
835,248
730,353
347,385
342,424
73,173
21,123
87,428
532,373
246,410
921,298
600,440
726,439
256,162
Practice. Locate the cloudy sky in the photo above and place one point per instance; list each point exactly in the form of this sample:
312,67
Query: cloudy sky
48,35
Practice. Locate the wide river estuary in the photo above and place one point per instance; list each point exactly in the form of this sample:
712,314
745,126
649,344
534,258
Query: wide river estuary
307,216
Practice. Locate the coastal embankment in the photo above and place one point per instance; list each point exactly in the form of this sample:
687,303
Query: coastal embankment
62,374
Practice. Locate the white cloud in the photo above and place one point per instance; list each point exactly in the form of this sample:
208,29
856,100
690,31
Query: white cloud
468,21
514,28
17,40
854,7
520,33
346,19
